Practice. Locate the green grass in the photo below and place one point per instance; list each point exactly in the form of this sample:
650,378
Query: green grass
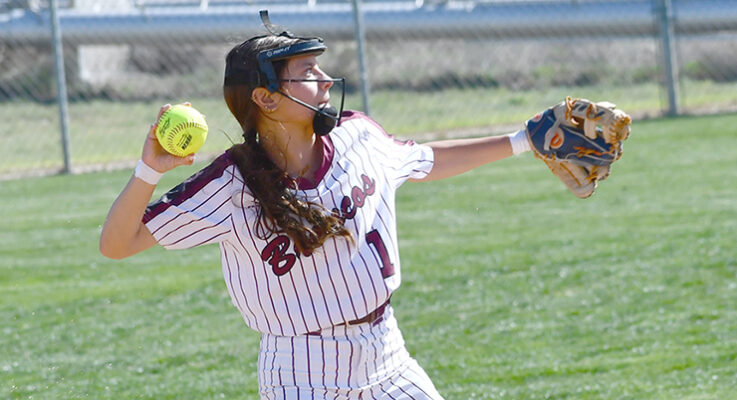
108,132
512,287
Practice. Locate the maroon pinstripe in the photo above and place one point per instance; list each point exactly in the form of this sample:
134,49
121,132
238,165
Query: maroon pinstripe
284,294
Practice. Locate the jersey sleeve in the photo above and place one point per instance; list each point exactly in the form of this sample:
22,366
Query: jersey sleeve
403,159
195,212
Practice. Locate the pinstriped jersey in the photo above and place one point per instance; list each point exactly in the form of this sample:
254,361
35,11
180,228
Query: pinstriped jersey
277,289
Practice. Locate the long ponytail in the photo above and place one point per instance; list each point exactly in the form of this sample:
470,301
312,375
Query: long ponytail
281,209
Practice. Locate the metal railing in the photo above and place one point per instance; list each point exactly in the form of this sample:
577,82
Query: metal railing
460,19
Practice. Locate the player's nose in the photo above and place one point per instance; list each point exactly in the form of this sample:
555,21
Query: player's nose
326,83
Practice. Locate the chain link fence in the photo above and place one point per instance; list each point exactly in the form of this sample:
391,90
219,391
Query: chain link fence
435,68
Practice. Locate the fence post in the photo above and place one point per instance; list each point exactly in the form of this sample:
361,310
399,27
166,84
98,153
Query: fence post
61,85
670,59
360,38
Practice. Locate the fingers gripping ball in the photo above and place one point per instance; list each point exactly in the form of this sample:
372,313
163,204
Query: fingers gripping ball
182,130
579,140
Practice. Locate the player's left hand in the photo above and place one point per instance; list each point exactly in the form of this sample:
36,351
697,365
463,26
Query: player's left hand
155,156
579,140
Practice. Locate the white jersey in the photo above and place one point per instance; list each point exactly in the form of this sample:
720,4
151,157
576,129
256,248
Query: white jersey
277,290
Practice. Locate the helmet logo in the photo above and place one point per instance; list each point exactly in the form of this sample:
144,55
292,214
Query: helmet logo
276,52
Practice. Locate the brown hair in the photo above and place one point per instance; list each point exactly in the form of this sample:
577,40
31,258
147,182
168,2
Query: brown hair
307,223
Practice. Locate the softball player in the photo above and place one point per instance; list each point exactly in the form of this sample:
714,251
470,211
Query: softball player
303,212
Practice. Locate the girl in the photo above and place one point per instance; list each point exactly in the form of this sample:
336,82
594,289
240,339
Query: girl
303,212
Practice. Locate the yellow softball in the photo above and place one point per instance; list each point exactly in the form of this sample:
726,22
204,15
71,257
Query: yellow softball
182,130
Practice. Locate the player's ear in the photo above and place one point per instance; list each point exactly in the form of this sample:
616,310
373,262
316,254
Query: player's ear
265,100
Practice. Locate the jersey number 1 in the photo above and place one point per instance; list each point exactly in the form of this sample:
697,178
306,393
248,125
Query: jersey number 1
387,268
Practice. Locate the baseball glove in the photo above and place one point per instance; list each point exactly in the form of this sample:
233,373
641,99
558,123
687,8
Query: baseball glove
579,140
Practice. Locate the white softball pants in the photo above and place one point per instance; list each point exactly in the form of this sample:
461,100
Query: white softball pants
365,361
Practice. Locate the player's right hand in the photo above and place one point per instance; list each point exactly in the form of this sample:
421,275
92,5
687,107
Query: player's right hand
155,156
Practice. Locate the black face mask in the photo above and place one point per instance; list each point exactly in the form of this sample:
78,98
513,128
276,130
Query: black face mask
326,117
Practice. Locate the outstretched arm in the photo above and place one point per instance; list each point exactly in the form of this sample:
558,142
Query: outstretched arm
123,233
454,157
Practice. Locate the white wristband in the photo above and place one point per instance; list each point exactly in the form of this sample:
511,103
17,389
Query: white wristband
147,174
519,142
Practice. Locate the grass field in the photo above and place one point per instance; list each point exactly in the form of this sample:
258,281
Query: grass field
512,287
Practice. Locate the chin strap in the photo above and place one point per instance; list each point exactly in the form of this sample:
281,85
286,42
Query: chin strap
326,117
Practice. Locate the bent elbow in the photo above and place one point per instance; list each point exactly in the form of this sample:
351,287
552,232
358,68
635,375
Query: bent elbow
113,256
111,251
